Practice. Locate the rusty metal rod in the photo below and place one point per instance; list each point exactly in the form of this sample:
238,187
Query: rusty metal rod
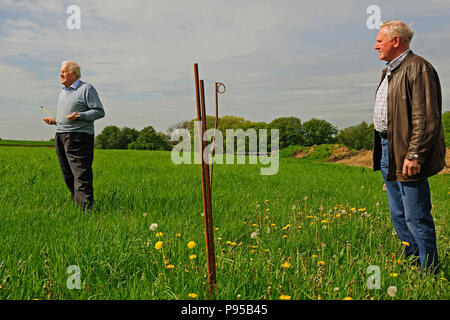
207,212
208,216
217,86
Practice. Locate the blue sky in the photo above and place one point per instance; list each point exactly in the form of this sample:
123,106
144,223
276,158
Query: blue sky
277,58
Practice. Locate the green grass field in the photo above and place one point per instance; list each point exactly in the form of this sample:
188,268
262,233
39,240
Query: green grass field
319,227
28,143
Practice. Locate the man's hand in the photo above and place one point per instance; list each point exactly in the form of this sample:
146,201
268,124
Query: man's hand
74,116
411,167
49,120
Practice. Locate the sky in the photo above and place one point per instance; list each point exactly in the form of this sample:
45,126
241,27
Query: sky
308,59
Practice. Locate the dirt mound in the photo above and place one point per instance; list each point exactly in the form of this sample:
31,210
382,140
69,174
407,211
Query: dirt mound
364,159
303,152
361,159
339,152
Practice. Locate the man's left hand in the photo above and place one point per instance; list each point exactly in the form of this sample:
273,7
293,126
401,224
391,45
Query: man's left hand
411,167
73,116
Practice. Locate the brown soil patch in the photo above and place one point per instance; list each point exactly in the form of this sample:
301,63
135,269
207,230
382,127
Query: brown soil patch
303,152
364,159
341,152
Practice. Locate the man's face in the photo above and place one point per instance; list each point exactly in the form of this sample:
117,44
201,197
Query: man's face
386,48
67,78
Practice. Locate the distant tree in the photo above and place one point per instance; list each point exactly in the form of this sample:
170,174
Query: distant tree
319,131
357,137
149,139
127,136
179,125
290,131
109,138
114,138
446,125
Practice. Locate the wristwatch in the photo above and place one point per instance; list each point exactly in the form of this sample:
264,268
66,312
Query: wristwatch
414,156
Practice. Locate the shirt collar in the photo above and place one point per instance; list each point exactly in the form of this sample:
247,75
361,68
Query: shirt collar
74,85
390,66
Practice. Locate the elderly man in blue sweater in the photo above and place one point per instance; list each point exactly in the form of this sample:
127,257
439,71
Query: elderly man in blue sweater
78,107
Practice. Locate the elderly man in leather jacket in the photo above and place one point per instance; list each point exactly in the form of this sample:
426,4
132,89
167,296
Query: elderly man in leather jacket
409,139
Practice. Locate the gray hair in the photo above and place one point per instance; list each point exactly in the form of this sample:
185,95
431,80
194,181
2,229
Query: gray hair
73,67
399,29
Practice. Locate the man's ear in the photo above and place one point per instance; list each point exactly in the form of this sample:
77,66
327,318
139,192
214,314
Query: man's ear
396,42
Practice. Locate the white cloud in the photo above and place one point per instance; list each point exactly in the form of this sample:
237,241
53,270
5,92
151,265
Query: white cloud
277,58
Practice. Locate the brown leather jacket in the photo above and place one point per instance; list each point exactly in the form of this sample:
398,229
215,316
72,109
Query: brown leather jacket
414,120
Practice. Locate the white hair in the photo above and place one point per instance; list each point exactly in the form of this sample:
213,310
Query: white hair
73,67
399,29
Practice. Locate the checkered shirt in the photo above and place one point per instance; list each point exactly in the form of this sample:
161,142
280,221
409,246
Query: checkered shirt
380,108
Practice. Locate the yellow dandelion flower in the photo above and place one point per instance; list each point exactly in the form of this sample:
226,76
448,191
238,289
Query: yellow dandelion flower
217,229
192,256
272,224
314,255
443,279
267,209
170,266
285,297
267,250
286,265
286,227
233,243
347,298
284,236
158,245
324,221
319,297
254,225
177,235
299,227
405,243
321,263
266,200
159,234
393,275
192,295
191,244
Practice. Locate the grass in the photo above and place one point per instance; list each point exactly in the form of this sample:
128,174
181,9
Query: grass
329,223
25,143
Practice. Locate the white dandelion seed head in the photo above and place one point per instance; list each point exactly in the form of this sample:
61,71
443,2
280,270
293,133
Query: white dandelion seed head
144,214
153,226
392,291
254,235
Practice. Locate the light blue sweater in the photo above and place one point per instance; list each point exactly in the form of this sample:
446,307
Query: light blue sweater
81,97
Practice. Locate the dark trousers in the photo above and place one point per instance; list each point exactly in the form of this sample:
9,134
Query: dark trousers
75,151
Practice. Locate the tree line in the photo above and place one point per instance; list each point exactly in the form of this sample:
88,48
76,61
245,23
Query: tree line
291,132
